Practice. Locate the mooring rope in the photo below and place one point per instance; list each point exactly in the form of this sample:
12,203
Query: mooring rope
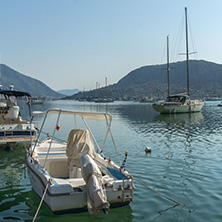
49,136
168,198
40,204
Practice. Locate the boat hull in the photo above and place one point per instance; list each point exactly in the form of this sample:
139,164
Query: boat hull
168,108
65,198
16,135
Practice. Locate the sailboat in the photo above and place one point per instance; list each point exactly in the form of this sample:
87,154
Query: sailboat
37,100
179,103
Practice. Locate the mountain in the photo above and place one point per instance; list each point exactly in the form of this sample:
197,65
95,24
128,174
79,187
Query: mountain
205,79
25,83
68,92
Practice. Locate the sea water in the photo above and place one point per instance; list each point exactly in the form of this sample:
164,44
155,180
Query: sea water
184,165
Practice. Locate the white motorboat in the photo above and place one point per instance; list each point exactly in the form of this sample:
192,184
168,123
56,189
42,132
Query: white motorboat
72,174
14,130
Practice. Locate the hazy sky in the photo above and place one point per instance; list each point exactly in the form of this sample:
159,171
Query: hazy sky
76,43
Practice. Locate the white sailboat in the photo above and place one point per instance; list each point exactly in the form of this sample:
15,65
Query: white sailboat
179,103
71,175
37,100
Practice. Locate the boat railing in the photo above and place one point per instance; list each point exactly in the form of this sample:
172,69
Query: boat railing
196,101
84,115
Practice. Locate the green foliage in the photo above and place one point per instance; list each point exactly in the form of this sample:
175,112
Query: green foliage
149,81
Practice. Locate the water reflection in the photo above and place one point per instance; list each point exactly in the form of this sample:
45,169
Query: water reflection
183,118
135,113
14,186
121,214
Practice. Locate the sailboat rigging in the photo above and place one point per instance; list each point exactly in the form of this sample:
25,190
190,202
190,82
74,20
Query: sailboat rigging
179,103
168,66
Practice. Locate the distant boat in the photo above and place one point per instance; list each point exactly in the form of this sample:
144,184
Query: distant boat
213,98
104,100
179,103
13,129
220,104
37,100
145,99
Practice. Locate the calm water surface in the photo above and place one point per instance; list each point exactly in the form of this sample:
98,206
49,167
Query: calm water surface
185,165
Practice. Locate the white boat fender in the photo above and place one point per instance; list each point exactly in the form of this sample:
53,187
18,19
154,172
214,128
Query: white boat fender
148,150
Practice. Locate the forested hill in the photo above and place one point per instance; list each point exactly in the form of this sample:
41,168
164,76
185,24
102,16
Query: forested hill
205,80
25,83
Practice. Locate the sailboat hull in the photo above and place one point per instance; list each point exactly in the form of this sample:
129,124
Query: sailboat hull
178,108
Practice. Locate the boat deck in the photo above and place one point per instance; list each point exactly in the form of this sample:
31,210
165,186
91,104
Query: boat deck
16,139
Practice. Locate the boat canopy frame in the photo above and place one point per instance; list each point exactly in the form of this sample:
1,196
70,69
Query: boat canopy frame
84,115
14,93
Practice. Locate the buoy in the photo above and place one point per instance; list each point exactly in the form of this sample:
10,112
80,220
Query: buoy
148,149
58,127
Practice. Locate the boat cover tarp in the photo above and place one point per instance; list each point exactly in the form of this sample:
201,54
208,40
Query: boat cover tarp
79,143
96,197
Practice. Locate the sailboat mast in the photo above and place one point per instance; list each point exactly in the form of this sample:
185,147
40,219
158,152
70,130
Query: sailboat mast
187,53
168,66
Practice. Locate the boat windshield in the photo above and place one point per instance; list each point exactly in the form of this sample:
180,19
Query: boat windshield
178,98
